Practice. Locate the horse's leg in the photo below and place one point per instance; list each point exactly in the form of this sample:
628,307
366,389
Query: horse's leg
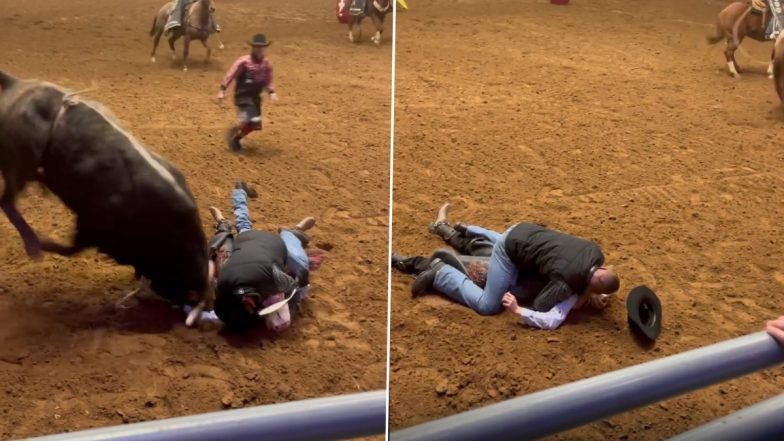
155,42
172,38
209,51
770,66
351,21
729,54
355,24
379,27
186,43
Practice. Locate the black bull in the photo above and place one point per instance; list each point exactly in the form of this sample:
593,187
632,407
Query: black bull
130,203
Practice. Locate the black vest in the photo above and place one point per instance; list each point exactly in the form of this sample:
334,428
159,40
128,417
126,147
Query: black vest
555,255
250,264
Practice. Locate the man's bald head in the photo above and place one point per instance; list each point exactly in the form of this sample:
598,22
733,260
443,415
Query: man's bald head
605,281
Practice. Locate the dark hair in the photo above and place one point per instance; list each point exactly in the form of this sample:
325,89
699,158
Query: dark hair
233,313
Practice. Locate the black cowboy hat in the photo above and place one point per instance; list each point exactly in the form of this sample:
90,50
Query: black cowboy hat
645,312
259,40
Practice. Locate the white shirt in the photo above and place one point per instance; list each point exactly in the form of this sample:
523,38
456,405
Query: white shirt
551,319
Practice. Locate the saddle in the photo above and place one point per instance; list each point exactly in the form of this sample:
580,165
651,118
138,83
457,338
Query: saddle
357,7
759,7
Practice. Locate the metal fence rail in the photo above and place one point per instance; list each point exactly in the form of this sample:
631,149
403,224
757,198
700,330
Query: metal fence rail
761,422
564,407
332,418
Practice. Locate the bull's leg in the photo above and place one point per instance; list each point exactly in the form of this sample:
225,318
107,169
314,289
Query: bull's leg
64,250
143,291
31,241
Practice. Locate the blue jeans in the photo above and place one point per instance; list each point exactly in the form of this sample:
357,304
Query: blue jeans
297,259
775,8
492,236
501,278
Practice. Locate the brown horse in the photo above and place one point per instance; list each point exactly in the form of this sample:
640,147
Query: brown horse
197,24
736,22
375,9
778,65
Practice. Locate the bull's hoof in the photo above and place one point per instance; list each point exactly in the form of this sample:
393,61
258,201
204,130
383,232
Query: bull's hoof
221,46
185,68
153,59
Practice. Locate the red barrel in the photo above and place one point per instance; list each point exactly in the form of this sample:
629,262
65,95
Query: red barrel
341,10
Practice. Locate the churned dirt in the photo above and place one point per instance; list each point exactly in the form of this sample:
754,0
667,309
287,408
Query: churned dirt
68,359
628,131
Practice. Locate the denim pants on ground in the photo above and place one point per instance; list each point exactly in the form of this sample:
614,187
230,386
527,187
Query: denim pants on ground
474,230
501,277
297,258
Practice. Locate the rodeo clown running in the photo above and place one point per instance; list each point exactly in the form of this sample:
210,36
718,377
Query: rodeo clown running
253,75
260,276
547,299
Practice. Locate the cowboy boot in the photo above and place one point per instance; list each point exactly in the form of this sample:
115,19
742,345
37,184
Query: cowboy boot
441,226
222,224
410,264
299,230
250,191
233,139
424,281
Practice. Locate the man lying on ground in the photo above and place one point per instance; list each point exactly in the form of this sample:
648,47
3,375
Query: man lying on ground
259,275
537,279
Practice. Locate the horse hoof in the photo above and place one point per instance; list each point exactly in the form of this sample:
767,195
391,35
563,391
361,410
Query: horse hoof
153,59
221,46
185,69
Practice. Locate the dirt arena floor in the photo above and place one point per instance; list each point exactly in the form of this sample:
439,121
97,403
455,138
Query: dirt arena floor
68,359
625,130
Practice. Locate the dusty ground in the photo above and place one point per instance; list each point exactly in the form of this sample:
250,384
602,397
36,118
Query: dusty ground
627,131
68,360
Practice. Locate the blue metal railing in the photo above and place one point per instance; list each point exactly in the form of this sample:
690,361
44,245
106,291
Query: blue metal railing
332,418
571,405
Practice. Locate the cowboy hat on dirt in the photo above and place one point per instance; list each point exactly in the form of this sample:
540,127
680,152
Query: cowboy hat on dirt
644,312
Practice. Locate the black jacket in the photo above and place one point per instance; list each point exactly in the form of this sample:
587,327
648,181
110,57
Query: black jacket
250,264
567,261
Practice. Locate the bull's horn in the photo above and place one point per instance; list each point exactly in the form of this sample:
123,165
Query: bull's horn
7,80
194,314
